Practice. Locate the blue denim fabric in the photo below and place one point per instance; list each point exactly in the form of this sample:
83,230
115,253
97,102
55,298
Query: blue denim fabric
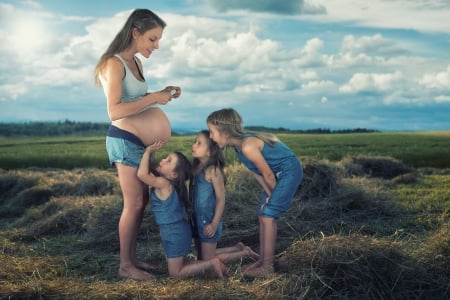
123,151
176,238
168,211
288,179
204,203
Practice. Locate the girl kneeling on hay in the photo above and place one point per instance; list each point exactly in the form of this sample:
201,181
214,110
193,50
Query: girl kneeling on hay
170,204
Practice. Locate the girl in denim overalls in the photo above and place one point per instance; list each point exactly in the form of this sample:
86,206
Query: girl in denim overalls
170,203
207,193
276,168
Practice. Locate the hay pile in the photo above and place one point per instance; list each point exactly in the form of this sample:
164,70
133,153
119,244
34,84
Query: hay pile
374,166
336,241
357,267
22,189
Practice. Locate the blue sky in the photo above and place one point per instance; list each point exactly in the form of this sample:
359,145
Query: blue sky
298,64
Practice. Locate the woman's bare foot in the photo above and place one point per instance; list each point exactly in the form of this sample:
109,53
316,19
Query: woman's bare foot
260,272
144,265
247,267
134,273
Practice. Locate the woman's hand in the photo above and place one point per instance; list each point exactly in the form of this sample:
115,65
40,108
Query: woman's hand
174,91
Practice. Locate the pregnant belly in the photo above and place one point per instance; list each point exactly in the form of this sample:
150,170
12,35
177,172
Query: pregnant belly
150,125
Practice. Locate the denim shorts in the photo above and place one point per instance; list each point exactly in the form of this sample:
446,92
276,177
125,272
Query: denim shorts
288,181
198,228
176,238
124,147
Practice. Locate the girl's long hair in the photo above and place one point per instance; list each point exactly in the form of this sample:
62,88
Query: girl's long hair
141,19
215,159
228,121
183,170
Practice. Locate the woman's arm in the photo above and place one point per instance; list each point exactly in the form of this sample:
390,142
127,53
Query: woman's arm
112,76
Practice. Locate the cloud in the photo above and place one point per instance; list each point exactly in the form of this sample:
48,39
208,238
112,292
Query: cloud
374,45
371,83
439,81
285,7
420,15
333,76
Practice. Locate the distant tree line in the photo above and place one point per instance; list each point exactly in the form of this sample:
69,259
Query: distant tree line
312,131
68,127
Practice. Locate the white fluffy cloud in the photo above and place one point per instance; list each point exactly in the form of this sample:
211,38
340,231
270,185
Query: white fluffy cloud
372,83
232,59
439,81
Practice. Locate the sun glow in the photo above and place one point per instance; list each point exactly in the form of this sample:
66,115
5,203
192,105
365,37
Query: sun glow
28,35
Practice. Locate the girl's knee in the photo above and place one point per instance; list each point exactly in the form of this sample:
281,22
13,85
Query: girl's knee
267,220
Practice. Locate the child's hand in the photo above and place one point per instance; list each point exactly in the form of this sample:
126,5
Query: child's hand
210,230
155,146
265,203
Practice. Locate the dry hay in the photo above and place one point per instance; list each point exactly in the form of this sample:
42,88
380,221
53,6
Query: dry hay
438,245
242,197
374,166
434,171
408,178
65,215
319,179
356,267
22,189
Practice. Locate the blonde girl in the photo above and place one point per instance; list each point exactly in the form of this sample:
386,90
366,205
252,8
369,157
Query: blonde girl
276,168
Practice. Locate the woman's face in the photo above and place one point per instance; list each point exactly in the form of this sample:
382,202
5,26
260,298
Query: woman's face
148,41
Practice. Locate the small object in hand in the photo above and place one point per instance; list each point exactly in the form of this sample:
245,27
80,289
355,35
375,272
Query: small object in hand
173,92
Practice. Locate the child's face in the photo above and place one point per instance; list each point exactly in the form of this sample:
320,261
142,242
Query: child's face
216,136
167,165
200,147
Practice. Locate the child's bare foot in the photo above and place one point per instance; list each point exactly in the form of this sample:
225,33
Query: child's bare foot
219,268
240,246
135,274
250,253
247,267
224,269
145,265
261,272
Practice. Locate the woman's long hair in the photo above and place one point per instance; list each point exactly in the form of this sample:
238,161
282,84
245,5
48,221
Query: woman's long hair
141,19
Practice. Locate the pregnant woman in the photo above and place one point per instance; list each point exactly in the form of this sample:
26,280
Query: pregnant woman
136,122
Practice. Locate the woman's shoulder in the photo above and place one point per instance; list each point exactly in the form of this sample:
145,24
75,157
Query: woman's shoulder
113,63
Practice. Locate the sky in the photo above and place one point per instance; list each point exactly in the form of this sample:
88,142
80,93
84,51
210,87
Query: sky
295,64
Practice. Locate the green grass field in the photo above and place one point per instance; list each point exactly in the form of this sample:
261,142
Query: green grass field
416,149
371,220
